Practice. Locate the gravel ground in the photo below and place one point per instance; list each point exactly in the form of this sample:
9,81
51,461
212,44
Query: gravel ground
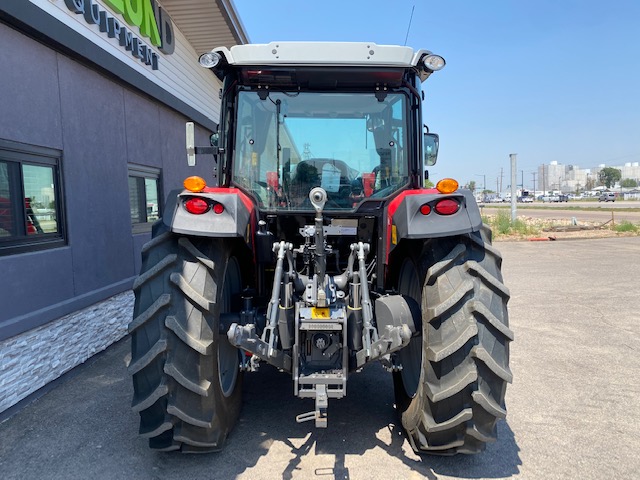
561,228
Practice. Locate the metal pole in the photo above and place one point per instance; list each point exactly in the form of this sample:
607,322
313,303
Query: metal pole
514,179
484,184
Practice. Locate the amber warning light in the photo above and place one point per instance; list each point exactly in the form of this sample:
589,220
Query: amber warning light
194,184
447,185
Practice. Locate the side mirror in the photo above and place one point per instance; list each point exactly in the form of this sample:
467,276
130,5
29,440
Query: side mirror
430,144
191,144
214,138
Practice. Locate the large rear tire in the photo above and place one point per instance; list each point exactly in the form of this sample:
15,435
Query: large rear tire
186,379
450,391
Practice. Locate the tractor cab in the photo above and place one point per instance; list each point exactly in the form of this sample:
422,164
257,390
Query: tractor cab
344,117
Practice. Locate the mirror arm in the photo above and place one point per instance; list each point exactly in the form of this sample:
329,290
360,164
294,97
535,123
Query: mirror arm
210,150
215,151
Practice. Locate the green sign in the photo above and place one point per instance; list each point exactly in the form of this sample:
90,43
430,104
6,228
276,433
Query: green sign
150,19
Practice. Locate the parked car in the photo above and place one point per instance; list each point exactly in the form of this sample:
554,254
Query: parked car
607,197
563,198
525,199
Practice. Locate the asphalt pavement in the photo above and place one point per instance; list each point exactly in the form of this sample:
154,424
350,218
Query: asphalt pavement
573,409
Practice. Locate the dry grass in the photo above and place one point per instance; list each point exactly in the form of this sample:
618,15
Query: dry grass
527,228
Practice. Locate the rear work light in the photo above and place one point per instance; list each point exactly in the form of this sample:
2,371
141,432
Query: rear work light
197,206
209,59
433,62
447,206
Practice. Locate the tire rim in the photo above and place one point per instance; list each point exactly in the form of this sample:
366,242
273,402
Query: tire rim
411,355
228,361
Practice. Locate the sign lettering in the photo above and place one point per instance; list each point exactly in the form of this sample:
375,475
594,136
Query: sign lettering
150,19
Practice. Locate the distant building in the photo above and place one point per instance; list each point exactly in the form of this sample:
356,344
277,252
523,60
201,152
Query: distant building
569,178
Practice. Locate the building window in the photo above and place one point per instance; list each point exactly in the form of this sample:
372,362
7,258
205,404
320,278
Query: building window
31,207
144,197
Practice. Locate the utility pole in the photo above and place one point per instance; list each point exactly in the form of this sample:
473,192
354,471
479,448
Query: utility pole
534,183
514,179
544,181
500,191
484,184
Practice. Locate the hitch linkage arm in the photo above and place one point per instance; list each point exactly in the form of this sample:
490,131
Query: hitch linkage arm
245,337
270,335
369,332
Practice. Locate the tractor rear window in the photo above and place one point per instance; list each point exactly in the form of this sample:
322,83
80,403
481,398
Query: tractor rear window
351,144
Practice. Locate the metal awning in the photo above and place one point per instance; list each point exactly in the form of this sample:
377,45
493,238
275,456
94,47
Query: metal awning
207,23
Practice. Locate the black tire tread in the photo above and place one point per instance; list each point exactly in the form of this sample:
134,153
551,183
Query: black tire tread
203,347
173,346
463,416
156,350
465,349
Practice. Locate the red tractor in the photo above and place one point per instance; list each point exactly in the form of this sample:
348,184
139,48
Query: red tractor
315,247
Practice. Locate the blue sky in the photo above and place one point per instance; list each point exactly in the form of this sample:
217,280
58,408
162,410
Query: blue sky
546,79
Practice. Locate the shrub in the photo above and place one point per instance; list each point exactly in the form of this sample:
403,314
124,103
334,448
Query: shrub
626,226
501,224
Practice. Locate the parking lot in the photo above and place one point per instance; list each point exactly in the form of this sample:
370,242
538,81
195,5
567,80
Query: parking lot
574,406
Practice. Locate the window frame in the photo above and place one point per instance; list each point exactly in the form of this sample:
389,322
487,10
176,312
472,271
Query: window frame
145,172
20,154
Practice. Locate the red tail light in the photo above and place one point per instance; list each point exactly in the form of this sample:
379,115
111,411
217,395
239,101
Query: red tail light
197,206
447,206
218,208
425,209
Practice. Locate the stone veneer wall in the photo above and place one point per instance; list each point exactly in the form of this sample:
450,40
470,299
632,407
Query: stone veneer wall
31,360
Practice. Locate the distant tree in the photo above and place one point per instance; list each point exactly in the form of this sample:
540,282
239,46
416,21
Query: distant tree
589,184
428,184
472,185
608,176
628,183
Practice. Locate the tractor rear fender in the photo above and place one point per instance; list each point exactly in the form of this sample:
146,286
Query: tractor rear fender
405,220
237,218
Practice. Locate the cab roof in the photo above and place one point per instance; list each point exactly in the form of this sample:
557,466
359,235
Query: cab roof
322,54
